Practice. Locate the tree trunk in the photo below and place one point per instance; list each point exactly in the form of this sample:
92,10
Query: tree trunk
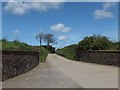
40,43
48,44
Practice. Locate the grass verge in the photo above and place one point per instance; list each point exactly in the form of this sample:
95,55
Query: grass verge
43,54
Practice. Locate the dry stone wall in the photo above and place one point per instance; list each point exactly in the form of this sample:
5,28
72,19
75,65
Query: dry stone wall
100,57
15,63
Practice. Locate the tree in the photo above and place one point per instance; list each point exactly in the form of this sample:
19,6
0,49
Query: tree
115,46
49,38
95,42
40,37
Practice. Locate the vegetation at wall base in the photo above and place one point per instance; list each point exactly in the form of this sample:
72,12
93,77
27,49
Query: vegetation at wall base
68,52
43,52
49,48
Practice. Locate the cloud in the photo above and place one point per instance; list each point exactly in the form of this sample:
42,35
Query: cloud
106,6
60,28
100,14
20,8
60,0
11,0
63,38
104,13
33,0
101,0
16,32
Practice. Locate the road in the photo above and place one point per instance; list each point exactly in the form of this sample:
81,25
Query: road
59,72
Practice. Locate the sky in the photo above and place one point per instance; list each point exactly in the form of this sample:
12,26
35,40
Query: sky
70,22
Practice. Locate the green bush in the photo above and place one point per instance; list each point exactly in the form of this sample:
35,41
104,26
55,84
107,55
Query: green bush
50,48
115,46
95,42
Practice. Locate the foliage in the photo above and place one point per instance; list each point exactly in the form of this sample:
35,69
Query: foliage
95,42
115,46
40,37
47,38
21,46
68,52
50,48
16,46
44,53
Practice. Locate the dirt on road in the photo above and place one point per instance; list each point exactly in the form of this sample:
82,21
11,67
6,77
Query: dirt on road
59,72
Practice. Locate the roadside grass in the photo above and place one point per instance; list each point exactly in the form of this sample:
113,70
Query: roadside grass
43,54
68,52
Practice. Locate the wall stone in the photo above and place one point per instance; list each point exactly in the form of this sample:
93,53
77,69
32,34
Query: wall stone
100,57
15,63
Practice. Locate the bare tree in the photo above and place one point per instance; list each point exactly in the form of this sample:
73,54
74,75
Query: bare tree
40,37
49,38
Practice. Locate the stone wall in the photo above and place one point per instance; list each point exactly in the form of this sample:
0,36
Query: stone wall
15,63
100,57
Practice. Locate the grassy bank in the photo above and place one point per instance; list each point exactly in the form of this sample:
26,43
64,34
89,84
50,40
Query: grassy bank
68,52
43,53
21,46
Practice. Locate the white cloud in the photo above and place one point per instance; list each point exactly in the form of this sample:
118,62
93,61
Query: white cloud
100,14
16,32
102,0
60,28
11,0
33,0
21,8
104,13
106,6
63,38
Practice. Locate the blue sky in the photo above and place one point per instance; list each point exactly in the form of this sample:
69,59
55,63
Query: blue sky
69,22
